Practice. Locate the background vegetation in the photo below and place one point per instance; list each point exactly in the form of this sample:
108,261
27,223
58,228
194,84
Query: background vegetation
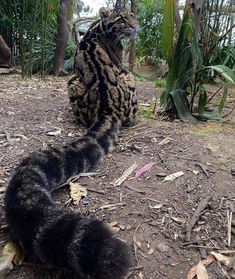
196,39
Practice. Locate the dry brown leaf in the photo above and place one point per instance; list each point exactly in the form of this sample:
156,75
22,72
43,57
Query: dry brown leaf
201,271
179,220
11,253
125,175
77,192
227,251
173,176
156,206
114,226
151,251
223,259
55,132
193,271
165,141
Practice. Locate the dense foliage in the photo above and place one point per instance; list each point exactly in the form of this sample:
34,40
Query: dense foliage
185,92
149,16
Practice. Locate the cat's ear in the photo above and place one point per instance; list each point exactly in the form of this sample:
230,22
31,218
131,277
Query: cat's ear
104,13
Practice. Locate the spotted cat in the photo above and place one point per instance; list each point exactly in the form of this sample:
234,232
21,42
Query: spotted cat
100,85
103,97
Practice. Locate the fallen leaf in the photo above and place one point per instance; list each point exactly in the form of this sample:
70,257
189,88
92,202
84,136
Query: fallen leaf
173,176
165,141
223,259
201,271
55,132
178,219
227,251
193,271
144,170
77,192
114,226
195,172
11,253
151,251
156,206
125,175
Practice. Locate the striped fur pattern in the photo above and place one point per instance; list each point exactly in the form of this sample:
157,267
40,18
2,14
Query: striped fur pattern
80,245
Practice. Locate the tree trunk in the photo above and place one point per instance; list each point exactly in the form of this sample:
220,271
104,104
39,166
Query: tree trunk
62,37
177,14
5,54
132,55
196,6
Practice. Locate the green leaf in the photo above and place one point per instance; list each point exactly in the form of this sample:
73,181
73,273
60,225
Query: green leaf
223,99
207,116
224,71
182,105
168,30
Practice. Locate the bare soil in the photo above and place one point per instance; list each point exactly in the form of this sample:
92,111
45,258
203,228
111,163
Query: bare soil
150,214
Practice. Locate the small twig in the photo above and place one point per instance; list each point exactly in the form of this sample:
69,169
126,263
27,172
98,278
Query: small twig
214,94
96,191
106,206
1,159
229,217
202,168
135,190
202,250
135,243
201,206
204,247
8,136
195,241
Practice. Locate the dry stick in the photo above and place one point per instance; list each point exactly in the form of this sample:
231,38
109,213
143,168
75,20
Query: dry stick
201,206
230,217
195,241
203,169
202,250
135,242
205,247
214,94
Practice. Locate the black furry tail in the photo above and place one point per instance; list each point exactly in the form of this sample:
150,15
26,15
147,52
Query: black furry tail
81,245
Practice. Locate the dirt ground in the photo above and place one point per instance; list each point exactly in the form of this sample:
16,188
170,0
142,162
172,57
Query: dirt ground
152,215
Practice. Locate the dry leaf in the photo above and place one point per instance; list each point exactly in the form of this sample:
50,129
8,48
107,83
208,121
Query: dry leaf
165,141
227,251
77,192
223,259
11,253
173,176
201,271
55,132
114,226
144,170
156,206
151,251
179,220
125,175
193,271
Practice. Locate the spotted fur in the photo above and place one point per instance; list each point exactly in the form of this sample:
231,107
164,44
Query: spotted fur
103,97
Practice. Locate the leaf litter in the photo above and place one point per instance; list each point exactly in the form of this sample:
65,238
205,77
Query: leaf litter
11,254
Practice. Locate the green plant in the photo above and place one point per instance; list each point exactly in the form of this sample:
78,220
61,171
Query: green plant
146,111
160,83
148,42
186,76
33,29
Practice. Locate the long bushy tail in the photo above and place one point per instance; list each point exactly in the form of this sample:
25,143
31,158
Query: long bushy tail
78,244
